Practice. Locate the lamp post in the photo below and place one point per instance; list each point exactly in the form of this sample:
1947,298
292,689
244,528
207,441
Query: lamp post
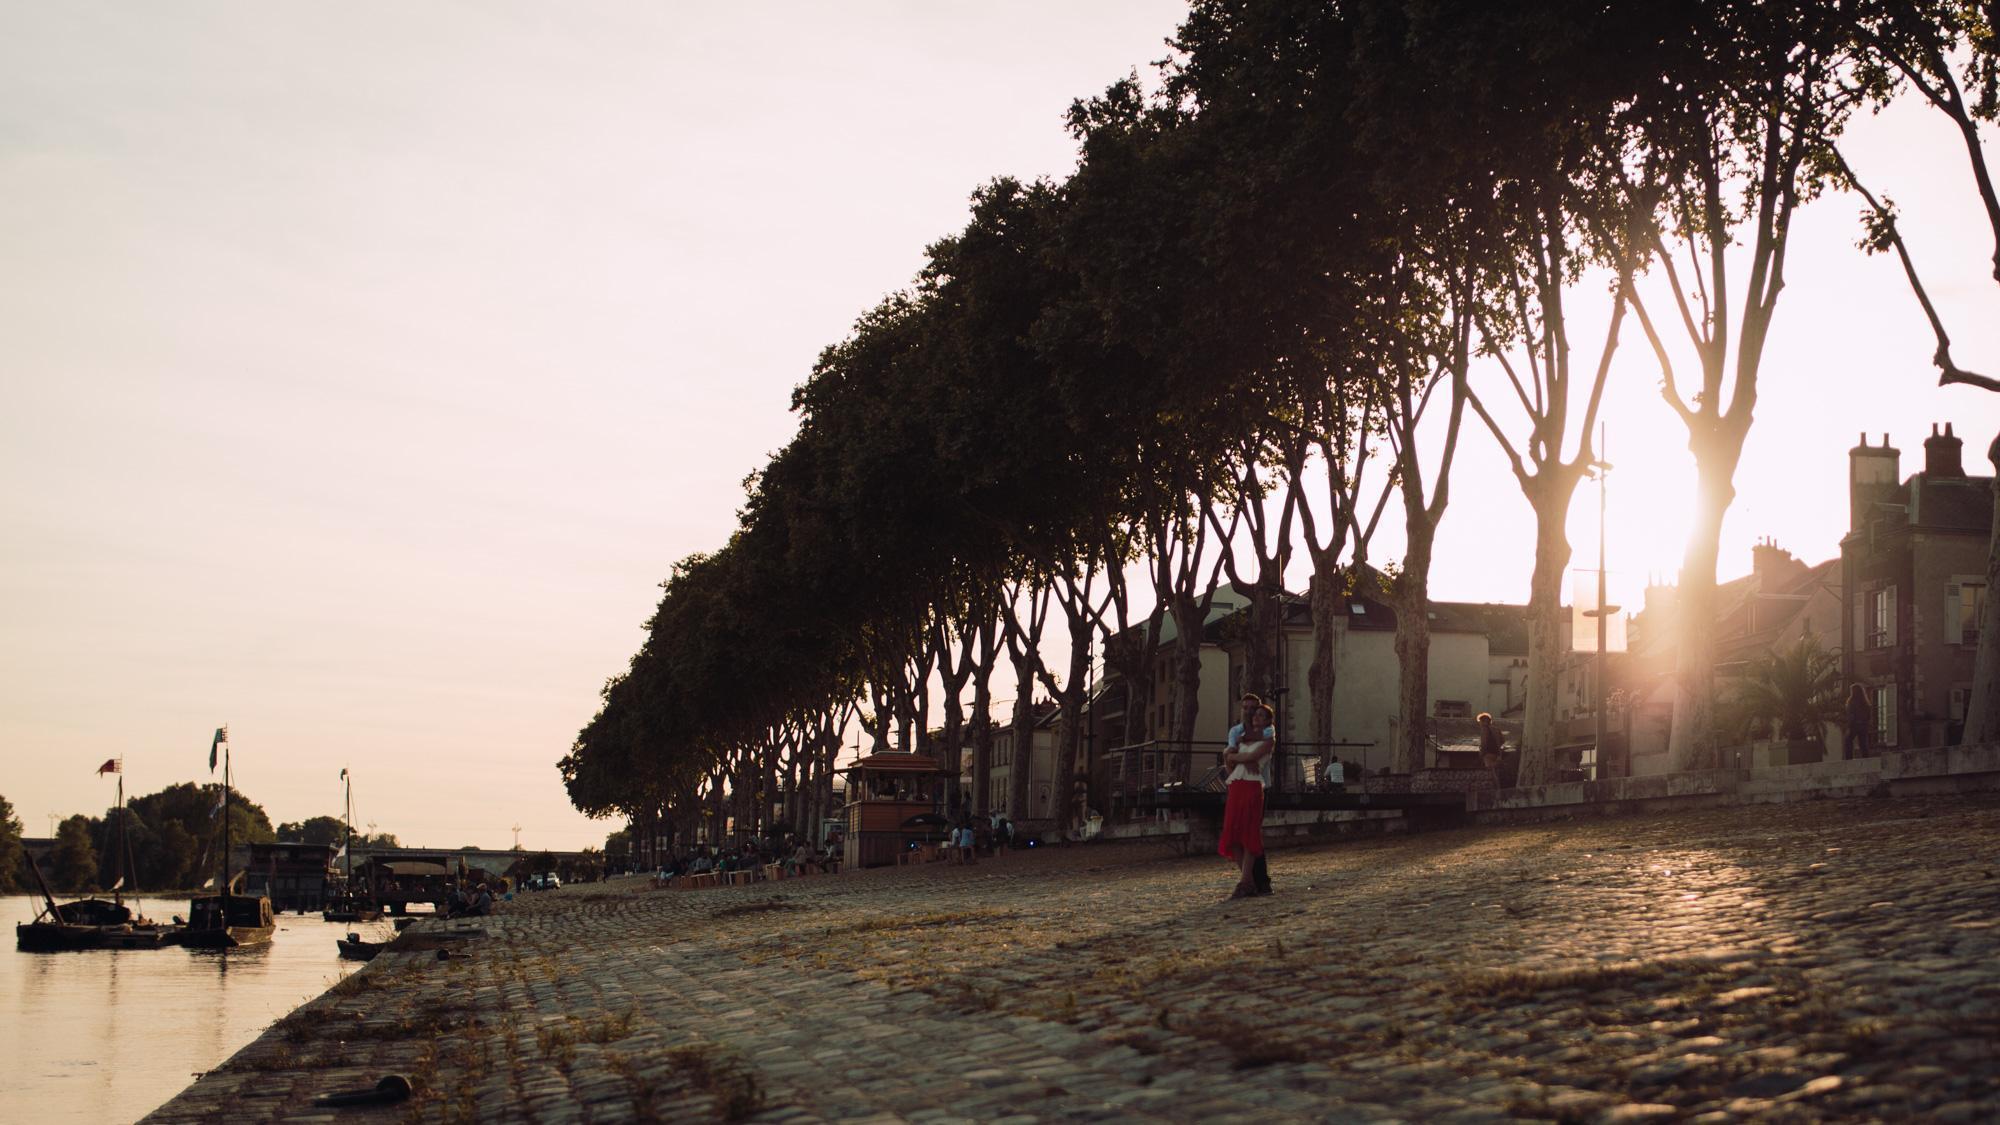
1600,727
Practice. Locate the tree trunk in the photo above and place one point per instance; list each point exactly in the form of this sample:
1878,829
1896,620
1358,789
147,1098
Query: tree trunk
1328,588
1184,710
1262,662
1545,648
1069,732
1982,715
1691,741
1413,650
982,720
1024,734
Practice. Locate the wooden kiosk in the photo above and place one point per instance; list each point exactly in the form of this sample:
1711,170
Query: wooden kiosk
886,792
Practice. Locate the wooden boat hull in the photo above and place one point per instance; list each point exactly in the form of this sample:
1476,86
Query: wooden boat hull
232,937
229,921
141,937
358,950
53,937
356,915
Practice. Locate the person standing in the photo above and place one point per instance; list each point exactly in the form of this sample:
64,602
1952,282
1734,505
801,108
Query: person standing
1860,723
1250,744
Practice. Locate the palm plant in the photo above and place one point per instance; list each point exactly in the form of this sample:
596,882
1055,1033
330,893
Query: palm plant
1793,690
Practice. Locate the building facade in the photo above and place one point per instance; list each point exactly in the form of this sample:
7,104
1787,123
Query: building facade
1914,560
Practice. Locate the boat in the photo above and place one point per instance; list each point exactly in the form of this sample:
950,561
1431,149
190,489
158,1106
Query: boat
70,926
354,949
350,907
352,910
88,923
227,920
92,923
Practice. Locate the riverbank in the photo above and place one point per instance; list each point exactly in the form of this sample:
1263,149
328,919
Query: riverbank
1810,961
107,1035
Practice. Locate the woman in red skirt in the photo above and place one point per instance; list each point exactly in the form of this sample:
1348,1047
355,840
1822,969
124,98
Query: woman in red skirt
1250,744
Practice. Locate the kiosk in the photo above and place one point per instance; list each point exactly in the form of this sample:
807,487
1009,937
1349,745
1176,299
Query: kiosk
896,799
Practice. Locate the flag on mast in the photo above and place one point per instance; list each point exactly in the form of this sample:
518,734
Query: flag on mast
111,765
221,736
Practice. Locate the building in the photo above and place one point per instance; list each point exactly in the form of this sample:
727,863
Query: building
292,876
1037,755
1782,599
1478,662
1914,583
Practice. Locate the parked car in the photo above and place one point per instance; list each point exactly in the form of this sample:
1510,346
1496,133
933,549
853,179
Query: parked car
547,881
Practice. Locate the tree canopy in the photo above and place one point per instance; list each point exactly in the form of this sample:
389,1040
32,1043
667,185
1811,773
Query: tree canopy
1296,242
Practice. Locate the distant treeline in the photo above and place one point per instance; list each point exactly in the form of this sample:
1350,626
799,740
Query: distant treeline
173,839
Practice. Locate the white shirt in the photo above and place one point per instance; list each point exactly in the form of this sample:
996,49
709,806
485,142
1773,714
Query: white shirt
1244,772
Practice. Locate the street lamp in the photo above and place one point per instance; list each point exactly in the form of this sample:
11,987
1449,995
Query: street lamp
1599,470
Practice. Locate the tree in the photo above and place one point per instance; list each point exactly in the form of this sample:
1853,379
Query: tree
1794,691
11,878
176,832
1736,140
74,859
313,830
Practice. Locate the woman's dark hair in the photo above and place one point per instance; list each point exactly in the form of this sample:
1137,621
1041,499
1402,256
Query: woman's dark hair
1858,692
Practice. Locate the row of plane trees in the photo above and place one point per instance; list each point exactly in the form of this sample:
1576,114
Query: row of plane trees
1284,282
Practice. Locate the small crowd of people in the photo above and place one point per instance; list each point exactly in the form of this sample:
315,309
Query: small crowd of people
468,900
794,853
977,834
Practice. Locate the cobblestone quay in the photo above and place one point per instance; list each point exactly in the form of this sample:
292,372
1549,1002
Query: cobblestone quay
1831,960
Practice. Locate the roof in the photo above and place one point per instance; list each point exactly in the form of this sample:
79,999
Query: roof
1951,503
894,761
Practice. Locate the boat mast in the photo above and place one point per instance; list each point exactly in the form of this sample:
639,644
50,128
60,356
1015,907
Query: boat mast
347,843
118,856
225,821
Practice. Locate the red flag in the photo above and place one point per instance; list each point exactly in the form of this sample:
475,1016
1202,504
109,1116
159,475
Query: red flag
111,765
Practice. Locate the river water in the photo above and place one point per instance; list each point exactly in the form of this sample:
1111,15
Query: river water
108,1035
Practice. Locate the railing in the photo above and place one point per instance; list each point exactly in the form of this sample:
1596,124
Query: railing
1139,773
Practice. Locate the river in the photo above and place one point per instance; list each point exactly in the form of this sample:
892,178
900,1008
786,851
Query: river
108,1035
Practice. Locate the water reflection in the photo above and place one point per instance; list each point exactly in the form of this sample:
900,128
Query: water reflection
107,1035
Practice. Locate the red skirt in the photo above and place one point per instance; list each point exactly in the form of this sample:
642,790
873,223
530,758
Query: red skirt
1243,820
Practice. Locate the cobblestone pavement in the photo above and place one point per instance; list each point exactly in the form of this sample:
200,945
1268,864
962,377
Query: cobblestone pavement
1832,960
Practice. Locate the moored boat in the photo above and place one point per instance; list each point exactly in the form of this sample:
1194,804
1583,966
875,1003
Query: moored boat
347,911
228,922
354,949
87,923
71,925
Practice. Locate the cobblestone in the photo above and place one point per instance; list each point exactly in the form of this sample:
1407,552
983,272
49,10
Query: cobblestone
1624,970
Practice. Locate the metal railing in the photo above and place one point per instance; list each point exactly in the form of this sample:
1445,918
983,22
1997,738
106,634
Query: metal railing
1138,774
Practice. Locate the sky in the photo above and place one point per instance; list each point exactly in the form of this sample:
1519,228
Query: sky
367,367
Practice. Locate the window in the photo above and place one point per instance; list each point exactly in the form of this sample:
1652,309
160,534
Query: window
1454,709
1959,697
1881,618
1964,607
1885,715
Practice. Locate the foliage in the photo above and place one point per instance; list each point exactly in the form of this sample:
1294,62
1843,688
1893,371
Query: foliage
1284,246
1793,692
313,830
12,878
74,860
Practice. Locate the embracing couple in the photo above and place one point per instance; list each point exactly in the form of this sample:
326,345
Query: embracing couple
1248,760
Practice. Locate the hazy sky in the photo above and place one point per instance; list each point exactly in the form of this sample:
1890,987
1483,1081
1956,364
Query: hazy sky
363,368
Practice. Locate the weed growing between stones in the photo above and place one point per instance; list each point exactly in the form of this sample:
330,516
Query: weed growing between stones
717,1072
765,906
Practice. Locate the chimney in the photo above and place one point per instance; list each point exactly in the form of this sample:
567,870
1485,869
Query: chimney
1941,454
1871,479
1768,564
